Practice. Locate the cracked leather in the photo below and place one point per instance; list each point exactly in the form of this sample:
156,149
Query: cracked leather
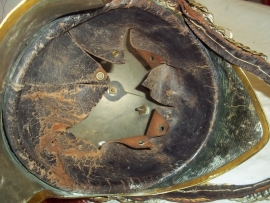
57,89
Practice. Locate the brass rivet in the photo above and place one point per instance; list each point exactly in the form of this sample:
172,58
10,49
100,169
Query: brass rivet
100,76
115,54
142,109
141,142
112,90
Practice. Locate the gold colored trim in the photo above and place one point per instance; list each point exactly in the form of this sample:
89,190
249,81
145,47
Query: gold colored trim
42,196
14,15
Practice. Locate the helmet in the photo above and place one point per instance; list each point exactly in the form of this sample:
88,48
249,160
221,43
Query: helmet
132,99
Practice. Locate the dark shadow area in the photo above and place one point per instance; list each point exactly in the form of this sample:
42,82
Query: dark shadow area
264,2
107,66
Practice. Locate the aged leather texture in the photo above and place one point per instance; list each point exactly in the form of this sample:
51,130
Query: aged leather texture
53,87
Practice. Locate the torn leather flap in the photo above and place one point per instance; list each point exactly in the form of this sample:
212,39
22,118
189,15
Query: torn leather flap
102,38
62,62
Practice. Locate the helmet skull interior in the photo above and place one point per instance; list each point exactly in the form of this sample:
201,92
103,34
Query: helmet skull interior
137,97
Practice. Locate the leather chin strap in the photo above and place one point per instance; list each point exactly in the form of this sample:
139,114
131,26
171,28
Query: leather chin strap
229,51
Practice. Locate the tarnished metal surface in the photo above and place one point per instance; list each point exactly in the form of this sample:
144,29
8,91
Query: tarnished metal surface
58,79
209,193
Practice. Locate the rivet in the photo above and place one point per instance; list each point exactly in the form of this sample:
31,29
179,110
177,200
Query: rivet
100,76
115,54
142,109
112,90
141,142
